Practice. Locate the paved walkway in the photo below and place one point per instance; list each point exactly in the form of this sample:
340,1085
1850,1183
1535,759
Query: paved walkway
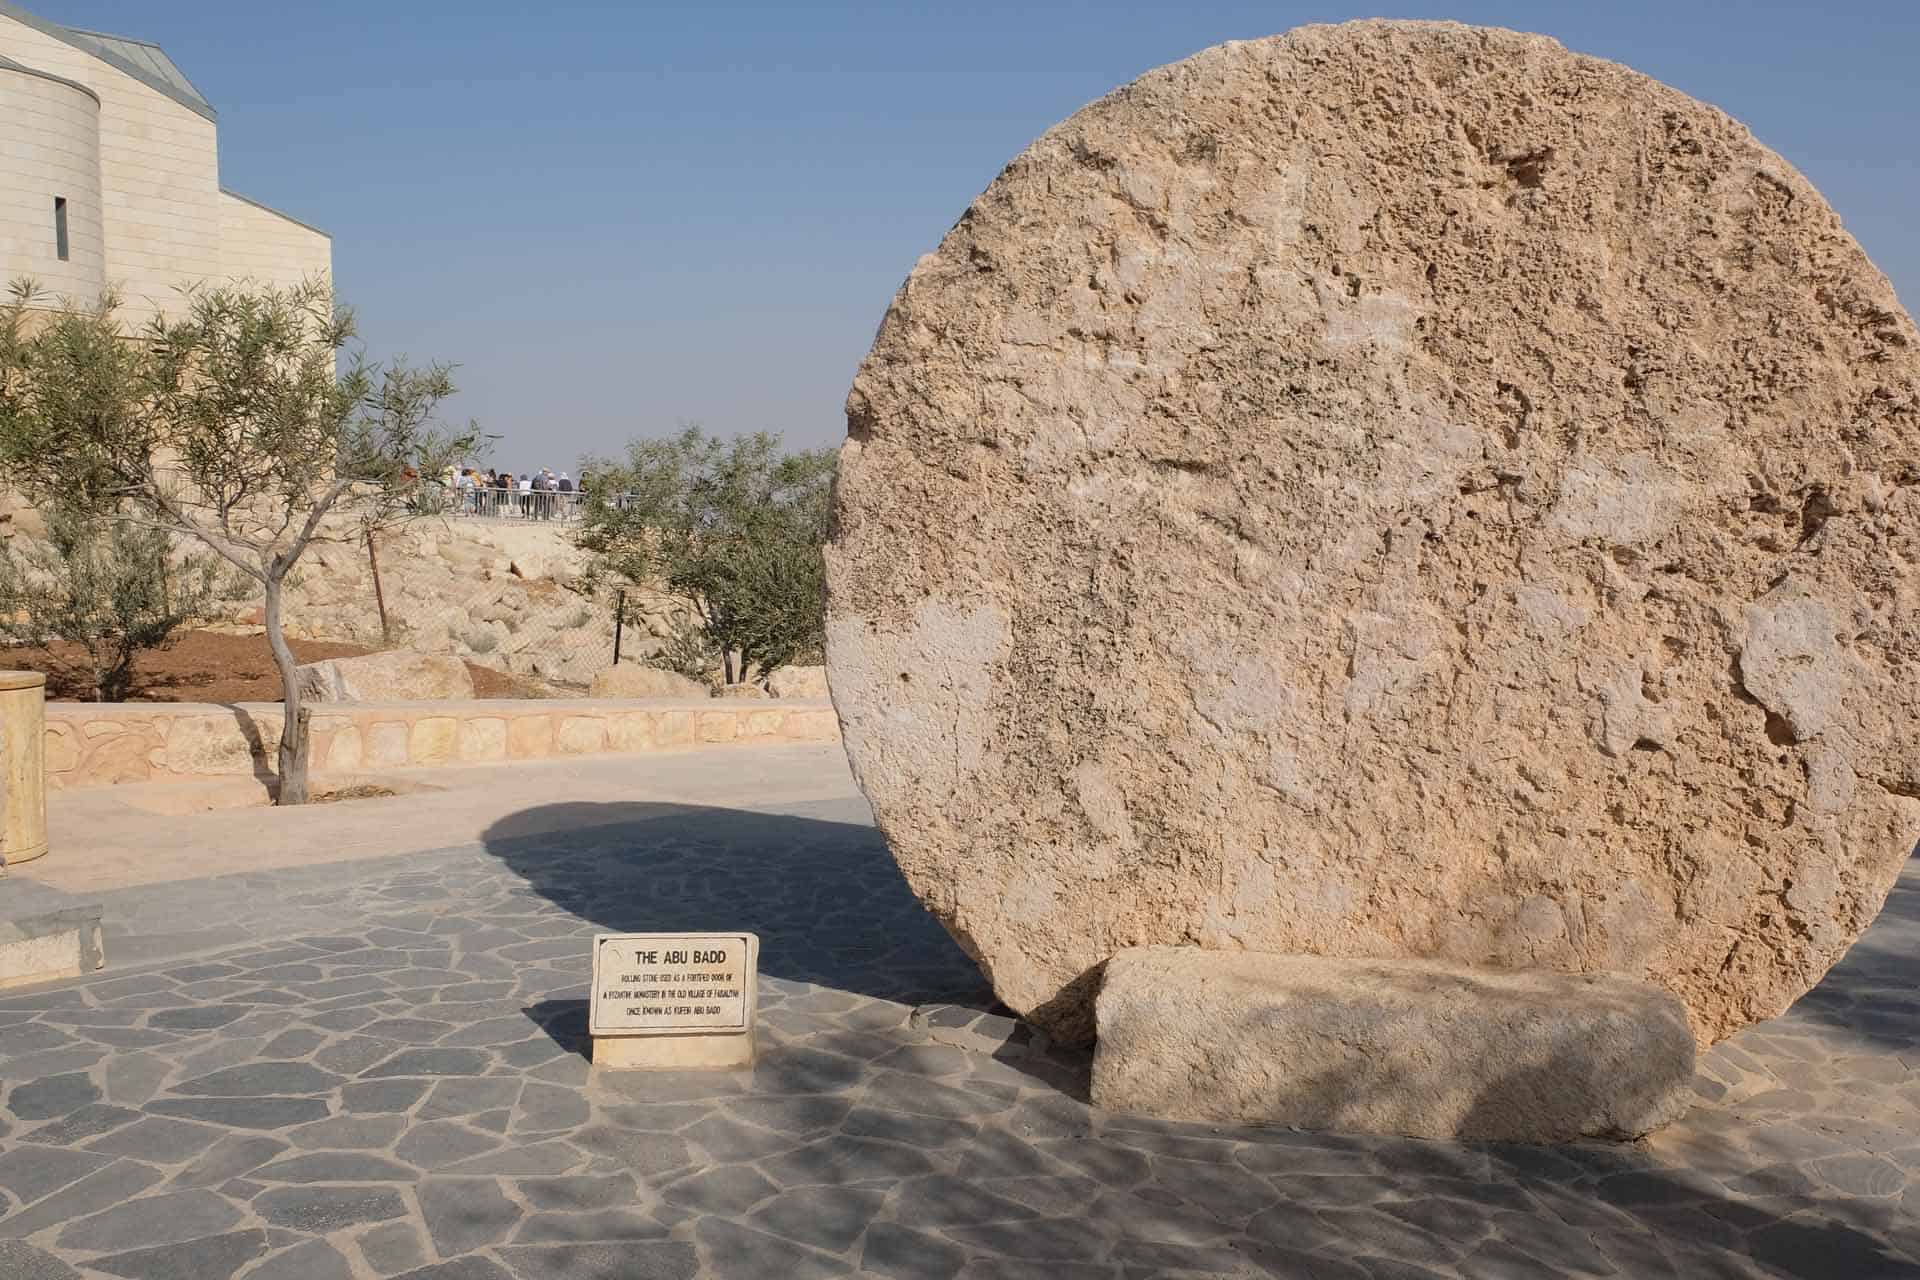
337,1070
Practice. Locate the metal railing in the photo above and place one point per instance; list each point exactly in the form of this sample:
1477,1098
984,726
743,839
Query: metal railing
504,504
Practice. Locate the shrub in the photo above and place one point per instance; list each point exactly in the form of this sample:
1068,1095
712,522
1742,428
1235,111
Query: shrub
111,588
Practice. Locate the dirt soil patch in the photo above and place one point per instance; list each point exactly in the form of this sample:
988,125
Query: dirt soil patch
212,666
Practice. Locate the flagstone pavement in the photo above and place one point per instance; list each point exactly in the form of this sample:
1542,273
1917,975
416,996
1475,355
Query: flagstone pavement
385,1078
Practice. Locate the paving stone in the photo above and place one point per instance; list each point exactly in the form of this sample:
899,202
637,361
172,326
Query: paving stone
431,1062
654,1261
453,1098
163,1219
912,1129
393,1247
297,1043
1860,1175
353,1054
34,1037
539,1157
321,1210
728,1189
233,1156
196,1017
577,1193
463,1214
201,972
1039,1240
334,1166
510,1029
261,1079
313,1260
490,1121
53,1096
545,1108
349,1133
901,1252
647,1154
21,1261
800,1070
210,1258
364,1097
585,1228
77,1126
118,1182
31,1172
943,1201
734,1250
1825,1248
244,1113
159,1140
829,1218
408,1030
854,1119
133,1078
439,1143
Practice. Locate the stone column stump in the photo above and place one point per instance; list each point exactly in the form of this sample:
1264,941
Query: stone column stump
23,742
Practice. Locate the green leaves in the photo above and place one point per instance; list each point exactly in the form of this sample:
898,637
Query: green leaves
111,588
733,526
232,422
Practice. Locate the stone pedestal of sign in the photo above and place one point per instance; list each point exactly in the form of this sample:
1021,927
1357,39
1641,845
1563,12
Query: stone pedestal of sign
674,1001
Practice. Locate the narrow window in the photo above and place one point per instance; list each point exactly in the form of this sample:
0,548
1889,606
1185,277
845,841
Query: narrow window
60,226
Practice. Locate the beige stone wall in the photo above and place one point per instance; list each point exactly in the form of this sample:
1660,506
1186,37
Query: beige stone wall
159,174
266,247
154,217
50,147
96,745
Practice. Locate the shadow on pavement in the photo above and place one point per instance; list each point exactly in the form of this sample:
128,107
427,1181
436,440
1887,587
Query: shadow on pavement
1727,1197
825,897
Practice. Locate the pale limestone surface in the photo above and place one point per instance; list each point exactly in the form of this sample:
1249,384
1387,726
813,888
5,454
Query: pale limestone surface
1392,490
1408,1047
23,767
94,745
798,682
631,680
395,676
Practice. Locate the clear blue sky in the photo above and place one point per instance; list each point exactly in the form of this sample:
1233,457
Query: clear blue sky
620,216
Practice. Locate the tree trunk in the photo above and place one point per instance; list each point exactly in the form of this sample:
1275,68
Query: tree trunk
295,720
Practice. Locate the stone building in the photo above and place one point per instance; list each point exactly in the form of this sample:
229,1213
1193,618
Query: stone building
110,177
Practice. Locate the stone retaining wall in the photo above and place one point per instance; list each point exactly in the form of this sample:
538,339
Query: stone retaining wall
98,745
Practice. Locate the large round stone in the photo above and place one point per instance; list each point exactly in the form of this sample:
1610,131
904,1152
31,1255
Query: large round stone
1393,490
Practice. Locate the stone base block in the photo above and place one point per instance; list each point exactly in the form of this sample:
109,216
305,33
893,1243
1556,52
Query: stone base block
673,1053
49,947
1404,1047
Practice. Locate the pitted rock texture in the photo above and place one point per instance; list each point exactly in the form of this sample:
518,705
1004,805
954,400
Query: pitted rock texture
1407,1047
1397,490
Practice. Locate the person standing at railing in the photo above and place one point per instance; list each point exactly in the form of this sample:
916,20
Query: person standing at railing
526,495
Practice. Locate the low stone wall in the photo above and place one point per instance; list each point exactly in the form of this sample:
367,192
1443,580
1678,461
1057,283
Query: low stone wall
102,744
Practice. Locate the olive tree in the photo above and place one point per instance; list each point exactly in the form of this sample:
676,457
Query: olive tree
110,589
733,527
233,424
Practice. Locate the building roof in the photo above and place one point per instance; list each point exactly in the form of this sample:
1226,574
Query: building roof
264,207
8,64
143,60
